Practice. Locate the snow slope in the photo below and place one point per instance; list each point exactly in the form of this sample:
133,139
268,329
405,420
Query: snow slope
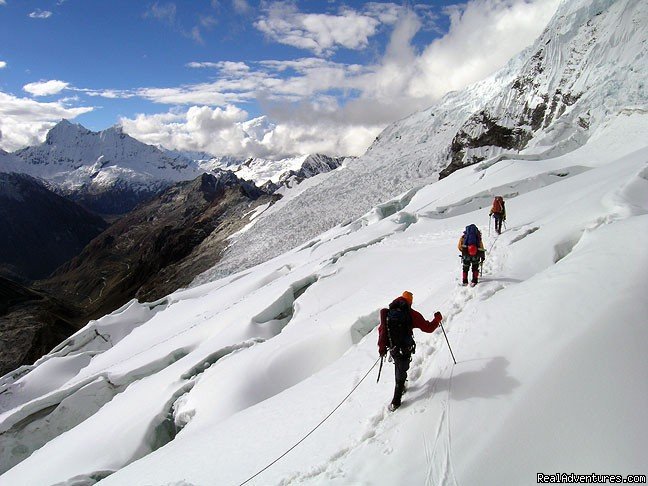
212,384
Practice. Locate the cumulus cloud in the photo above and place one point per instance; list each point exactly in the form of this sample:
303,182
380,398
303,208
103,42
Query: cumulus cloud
320,33
45,88
24,121
228,131
40,14
199,128
3,2
3,64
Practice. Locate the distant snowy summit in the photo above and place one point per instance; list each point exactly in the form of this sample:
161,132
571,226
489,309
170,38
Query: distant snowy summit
111,172
108,171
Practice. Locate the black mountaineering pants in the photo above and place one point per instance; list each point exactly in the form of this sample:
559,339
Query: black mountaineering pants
401,365
499,217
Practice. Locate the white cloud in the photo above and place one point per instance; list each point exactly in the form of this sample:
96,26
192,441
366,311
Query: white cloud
241,6
202,65
40,14
165,12
3,2
483,36
320,33
45,88
108,93
3,64
226,67
227,132
24,121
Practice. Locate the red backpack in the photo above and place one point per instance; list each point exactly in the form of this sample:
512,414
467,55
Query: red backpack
498,205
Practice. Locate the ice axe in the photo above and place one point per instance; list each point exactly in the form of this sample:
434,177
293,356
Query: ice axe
382,358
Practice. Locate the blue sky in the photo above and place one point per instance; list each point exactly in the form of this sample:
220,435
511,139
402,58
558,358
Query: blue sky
243,77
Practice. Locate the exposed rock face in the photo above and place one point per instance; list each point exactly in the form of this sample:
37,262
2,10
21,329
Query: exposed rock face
312,165
554,85
31,324
41,230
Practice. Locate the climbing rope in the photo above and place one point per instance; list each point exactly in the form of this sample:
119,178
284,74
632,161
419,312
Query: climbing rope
493,244
314,428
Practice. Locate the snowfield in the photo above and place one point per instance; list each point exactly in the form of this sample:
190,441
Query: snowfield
214,383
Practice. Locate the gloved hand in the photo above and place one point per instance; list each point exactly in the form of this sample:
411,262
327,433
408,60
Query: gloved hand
382,352
438,316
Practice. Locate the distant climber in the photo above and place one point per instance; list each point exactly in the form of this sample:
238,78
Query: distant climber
472,253
498,211
395,335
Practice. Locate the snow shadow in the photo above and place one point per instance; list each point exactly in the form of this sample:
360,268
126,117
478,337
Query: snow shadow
525,234
280,312
565,247
490,381
382,211
501,279
334,259
86,479
44,424
364,325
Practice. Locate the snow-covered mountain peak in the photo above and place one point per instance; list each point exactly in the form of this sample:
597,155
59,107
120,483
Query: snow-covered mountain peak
258,127
65,132
99,168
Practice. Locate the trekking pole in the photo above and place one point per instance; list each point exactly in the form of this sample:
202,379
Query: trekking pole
449,347
382,358
490,216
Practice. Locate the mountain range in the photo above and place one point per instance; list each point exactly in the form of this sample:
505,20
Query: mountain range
110,172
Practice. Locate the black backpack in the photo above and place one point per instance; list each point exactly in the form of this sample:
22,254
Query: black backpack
399,326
